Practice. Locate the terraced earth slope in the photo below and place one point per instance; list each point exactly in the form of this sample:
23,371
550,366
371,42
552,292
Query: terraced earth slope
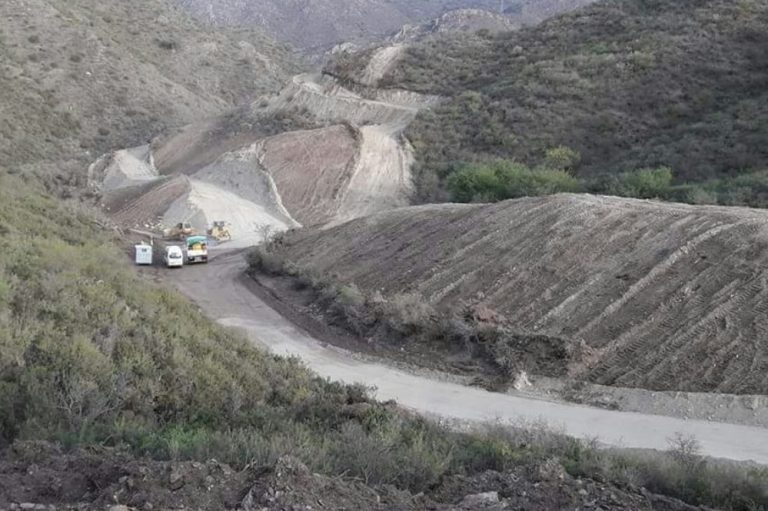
628,84
80,77
654,295
314,154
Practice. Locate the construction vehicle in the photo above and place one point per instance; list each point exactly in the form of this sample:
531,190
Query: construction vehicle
220,231
197,249
180,231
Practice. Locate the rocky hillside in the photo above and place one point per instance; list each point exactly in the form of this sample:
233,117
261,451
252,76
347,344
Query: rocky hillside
313,25
627,84
82,76
317,25
460,20
613,291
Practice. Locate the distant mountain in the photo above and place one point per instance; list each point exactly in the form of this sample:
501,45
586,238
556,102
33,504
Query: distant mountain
460,20
314,26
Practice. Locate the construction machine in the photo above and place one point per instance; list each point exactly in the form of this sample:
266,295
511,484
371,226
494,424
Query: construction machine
180,231
220,231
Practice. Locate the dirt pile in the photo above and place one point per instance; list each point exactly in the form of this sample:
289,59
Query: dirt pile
658,296
40,476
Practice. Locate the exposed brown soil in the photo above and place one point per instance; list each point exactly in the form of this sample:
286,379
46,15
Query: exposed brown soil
41,476
146,205
665,296
315,154
312,169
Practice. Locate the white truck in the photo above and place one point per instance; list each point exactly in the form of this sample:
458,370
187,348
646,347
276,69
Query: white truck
197,249
144,254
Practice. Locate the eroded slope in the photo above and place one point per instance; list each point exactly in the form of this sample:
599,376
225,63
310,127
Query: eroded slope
665,296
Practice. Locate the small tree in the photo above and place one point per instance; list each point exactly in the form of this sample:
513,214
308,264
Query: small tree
266,231
562,158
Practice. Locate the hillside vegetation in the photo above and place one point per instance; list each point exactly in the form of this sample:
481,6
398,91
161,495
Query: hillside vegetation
121,372
626,84
80,77
606,290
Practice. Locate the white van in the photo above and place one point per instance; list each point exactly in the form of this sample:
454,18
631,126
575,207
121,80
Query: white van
173,257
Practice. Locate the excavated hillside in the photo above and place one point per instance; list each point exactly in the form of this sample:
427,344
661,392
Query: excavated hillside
314,154
81,77
664,296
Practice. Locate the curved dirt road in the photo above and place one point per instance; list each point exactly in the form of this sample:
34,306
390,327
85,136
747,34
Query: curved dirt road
219,288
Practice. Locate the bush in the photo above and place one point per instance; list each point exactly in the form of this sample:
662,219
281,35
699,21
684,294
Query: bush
562,158
501,179
642,184
262,259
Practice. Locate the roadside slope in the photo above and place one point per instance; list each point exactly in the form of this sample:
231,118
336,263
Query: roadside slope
653,295
233,304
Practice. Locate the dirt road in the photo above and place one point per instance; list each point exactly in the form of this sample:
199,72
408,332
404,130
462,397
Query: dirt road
220,289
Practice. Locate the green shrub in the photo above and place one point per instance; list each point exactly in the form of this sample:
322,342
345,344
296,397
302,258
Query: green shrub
501,179
642,183
562,158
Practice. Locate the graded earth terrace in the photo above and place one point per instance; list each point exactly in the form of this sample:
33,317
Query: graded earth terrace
637,293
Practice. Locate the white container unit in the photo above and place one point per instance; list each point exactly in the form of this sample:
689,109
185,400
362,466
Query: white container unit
144,255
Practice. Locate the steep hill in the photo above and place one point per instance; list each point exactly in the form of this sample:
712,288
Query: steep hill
80,77
628,84
631,293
